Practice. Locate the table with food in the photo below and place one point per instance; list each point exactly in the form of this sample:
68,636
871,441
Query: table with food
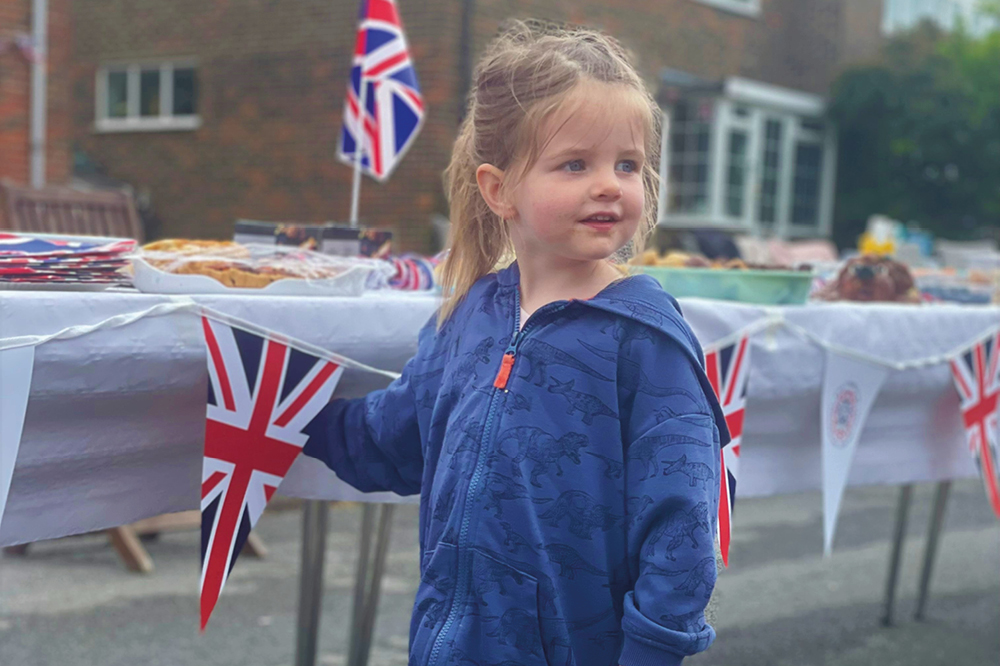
349,306
115,421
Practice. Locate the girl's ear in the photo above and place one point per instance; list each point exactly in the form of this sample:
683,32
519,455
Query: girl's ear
490,181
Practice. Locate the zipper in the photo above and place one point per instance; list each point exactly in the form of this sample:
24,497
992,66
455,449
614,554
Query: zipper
499,384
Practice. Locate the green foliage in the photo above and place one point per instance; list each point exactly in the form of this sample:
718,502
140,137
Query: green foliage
920,134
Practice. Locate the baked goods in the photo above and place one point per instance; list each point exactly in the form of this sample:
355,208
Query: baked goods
236,265
676,259
189,247
871,278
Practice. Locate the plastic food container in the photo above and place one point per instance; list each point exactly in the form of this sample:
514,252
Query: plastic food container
310,273
745,286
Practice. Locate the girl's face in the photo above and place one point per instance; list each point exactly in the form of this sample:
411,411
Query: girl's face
582,200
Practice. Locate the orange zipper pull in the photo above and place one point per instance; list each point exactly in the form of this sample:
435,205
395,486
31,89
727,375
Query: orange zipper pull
505,367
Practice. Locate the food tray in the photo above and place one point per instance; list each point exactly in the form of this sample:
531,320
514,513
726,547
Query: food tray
745,286
152,280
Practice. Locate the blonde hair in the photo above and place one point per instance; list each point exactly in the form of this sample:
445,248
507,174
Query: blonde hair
526,74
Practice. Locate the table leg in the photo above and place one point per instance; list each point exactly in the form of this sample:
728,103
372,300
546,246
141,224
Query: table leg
255,546
311,581
375,589
902,510
130,549
361,585
930,550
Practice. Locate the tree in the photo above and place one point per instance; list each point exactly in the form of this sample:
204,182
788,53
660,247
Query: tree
920,135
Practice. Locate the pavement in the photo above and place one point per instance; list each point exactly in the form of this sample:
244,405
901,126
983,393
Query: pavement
781,603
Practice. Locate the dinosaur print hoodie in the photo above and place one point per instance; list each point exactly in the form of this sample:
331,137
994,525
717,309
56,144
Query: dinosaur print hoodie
568,472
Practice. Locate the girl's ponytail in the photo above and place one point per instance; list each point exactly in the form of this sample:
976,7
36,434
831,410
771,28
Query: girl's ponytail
479,238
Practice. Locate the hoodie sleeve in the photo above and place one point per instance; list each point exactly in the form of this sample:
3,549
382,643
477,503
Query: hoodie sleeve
672,482
374,443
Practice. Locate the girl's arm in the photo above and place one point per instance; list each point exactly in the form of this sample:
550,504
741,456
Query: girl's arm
672,485
374,443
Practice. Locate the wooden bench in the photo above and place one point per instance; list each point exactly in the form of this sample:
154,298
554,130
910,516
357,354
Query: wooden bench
62,210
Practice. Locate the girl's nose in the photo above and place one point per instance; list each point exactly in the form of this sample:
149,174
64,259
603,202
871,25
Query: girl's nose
606,185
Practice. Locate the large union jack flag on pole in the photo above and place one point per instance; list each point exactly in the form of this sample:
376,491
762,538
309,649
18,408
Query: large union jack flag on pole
261,395
394,107
977,377
728,368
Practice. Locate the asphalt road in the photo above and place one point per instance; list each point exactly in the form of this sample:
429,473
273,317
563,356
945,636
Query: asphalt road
781,603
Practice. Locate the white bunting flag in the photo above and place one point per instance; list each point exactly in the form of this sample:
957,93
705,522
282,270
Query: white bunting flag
850,387
15,382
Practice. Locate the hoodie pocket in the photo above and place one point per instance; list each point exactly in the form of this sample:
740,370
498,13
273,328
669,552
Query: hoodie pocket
430,608
500,618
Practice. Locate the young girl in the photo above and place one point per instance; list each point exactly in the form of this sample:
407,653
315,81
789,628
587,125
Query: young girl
556,418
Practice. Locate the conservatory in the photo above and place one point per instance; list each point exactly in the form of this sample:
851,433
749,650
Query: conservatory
744,156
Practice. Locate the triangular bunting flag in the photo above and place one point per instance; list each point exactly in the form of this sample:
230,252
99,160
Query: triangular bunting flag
976,372
16,366
728,368
261,395
850,387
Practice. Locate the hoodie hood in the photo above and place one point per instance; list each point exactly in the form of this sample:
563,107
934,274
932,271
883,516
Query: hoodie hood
642,299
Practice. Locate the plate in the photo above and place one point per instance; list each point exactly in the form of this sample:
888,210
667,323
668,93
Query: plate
152,280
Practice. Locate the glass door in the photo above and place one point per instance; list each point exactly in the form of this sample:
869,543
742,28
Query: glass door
736,177
771,169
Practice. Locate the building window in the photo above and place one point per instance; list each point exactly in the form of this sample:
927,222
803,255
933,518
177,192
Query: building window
736,173
748,157
771,169
808,169
689,140
742,7
147,97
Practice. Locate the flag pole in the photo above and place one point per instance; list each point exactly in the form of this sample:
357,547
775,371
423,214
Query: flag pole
359,137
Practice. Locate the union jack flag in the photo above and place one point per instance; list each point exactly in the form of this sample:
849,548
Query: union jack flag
728,368
261,395
394,107
977,377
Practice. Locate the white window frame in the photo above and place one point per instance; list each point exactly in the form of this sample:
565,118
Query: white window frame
165,121
749,8
764,102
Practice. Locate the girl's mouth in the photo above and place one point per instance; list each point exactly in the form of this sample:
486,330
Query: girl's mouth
601,221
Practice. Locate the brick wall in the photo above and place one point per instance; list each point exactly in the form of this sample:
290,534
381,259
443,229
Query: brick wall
272,76
15,94
799,44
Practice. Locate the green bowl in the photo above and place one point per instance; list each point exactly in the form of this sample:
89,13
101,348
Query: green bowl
745,286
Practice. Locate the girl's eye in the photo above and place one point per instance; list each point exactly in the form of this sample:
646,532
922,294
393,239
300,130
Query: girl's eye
628,166
574,165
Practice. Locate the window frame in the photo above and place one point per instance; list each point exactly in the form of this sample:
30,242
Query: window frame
133,122
759,104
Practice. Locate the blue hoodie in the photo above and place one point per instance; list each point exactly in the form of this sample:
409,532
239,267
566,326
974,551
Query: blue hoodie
569,478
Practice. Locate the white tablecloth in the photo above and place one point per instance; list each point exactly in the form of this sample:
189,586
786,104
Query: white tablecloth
115,421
